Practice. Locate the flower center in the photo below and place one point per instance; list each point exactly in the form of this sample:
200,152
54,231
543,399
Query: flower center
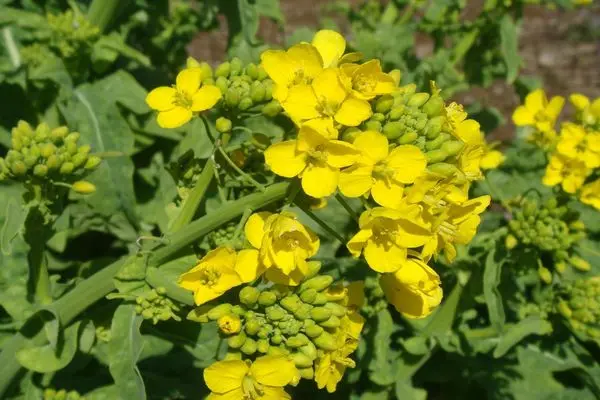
381,171
318,155
300,78
327,107
183,99
384,231
209,276
363,84
252,389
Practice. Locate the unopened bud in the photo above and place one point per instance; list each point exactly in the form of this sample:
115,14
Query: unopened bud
580,264
435,156
223,70
18,168
40,170
301,360
249,347
332,322
393,130
271,109
229,324
408,137
236,66
320,314
418,99
545,274
452,147
396,112
318,283
510,242
326,342
267,298
237,341
92,162
564,309
245,103
218,311
373,126
384,104
249,295
262,345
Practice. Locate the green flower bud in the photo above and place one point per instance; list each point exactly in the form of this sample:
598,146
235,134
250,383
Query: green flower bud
277,351
16,143
290,302
40,170
18,168
223,70
310,350
580,264
418,99
252,70
301,360
303,312
320,300
313,331
307,373
245,103
326,342
53,162
373,126
218,311
318,283
336,309
47,150
296,341
320,314
435,156
510,242
72,137
232,97
262,74
58,134
275,313
252,327
67,168
545,274
436,143
384,104
42,132
452,147
249,295
257,92
332,322
237,341
236,66
434,127
148,313
267,298
222,83
396,113
408,137
378,117
308,296
350,134
92,162
206,69
30,160
276,339
393,130
262,345
61,395
564,309
71,147
79,159
271,109
434,106
443,169
239,310
23,128
249,347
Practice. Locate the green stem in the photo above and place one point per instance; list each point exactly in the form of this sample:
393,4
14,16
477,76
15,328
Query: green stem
240,227
156,278
11,46
37,233
190,205
322,224
102,12
346,206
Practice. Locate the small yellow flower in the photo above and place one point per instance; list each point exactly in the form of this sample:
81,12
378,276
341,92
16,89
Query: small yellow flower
229,324
414,290
590,194
385,236
326,98
587,112
491,159
477,151
578,144
367,80
217,272
538,112
313,157
264,379
453,224
282,246
380,171
83,187
570,173
176,105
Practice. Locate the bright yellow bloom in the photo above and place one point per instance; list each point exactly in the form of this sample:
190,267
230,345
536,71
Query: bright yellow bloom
313,157
588,112
578,144
217,272
326,98
386,234
229,324
282,246
491,158
380,171
590,194
176,105
367,80
570,173
453,224
264,379
331,45
414,290
538,112
469,161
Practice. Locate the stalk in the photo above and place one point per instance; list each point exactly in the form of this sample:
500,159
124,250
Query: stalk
102,12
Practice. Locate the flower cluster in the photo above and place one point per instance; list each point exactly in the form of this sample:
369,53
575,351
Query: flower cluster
574,153
580,305
551,230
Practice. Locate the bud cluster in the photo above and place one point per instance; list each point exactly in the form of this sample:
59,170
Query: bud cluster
52,394
155,306
44,153
70,32
223,237
581,306
302,323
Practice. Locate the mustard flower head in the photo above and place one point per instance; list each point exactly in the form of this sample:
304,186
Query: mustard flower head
575,142
381,171
414,290
538,112
386,234
176,105
367,80
264,379
313,157
570,173
590,194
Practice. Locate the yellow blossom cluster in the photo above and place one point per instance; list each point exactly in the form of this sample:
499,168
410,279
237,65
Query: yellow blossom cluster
574,152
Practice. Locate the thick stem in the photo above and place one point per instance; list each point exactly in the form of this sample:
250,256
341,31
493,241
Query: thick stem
37,233
102,12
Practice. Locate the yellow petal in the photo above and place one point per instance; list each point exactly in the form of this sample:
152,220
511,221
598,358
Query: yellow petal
408,163
358,242
275,275
235,394
188,80
387,194
222,257
247,265
274,371
353,112
373,144
579,101
320,180
469,131
492,159
309,138
301,103
555,106
536,101
205,98
331,45
523,117
356,180
341,154
174,118
283,159
278,66
324,126
161,98
225,376
305,57
274,393
384,257
254,228
328,88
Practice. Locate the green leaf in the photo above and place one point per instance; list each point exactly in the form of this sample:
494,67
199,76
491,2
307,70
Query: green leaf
380,368
406,391
14,219
493,299
509,46
124,350
526,327
441,321
52,69
131,278
122,88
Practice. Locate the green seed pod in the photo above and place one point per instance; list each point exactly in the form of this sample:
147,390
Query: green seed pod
92,162
271,109
320,314
236,66
218,311
245,103
249,295
262,345
267,298
396,113
257,92
434,106
332,322
393,130
40,170
452,147
336,309
223,70
434,127
249,347
318,283
237,341
418,99
301,360
307,373
276,339
308,296
79,159
373,126
384,104
326,342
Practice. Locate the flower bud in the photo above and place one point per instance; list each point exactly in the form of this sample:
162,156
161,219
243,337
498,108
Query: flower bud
237,341
232,97
223,70
301,360
336,309
396,112
350,134
444,169
229,324
434,106
297,341
92,162
302,312
580,264
510,242
40,170
249,347
452,147
275,313
319,283
42,132
435,156
290,302
408,137
372,126
79,159
418,99
262,345
252,327
18,168
564,309
249,295
257,92
313,331
267,298
434,127
320,314
236,66
271,109
307,373
277,351
218,311
67,168
332,322
308,296
393,130
245,103
276,339
545,274
326,342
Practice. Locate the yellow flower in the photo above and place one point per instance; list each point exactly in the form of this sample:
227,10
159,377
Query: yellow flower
414,290
491,158
313,157
538,112
331,45
217,272
570,173
469,161
367,80
264,379
576,143
176,105
588,112
590,194
326,98
453,224
282,246
229,324
386,234
380,171
477,151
